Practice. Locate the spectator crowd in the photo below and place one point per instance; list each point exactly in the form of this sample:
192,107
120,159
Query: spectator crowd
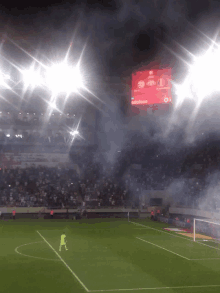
58,187
102,184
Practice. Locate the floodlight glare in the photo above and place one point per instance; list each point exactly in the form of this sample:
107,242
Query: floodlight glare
204,74
63,78
53,105
182,91
32,78
3,78
75,132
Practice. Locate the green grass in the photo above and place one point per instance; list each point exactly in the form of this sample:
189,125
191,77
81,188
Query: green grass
104,254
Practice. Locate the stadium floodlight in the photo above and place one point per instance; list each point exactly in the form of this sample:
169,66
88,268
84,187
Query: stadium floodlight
75,132
204,74
32,78
62,78
52,105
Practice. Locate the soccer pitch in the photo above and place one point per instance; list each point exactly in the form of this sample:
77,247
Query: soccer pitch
104,255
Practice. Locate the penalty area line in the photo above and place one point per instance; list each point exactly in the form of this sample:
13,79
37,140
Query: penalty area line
65,263
204,258
158,288
163,248
167,233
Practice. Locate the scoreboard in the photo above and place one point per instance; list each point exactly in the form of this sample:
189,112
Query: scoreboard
151,87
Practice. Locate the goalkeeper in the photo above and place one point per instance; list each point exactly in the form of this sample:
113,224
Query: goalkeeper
63,241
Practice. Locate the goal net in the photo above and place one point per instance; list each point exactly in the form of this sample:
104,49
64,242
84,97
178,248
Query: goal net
205,230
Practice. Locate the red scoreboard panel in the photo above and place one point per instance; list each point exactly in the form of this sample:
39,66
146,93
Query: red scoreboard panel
151,87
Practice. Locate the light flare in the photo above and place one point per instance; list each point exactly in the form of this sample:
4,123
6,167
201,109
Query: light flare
62,78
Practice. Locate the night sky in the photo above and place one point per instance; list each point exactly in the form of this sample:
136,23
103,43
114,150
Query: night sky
112,37
119,35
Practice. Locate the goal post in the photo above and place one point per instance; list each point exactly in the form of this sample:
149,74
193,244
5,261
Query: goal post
206,230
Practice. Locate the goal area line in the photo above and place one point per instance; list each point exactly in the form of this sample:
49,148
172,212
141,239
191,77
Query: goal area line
197,235
209,240
172,235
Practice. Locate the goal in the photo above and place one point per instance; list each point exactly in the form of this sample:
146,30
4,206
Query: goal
206,230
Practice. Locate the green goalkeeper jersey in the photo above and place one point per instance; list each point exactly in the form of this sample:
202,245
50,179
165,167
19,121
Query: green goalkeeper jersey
63,239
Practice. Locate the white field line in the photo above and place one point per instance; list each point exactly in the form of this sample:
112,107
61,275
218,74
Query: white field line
167,233
205,259
158,288
163,248
148,227
208,245
141,228
65,263
16,250
206,240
